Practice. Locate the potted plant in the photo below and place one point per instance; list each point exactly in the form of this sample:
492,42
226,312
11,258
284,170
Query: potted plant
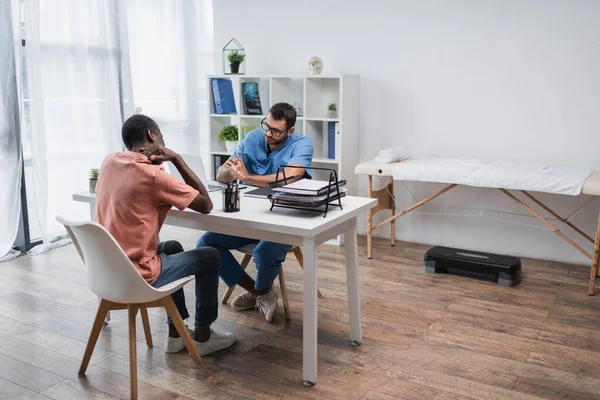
229,135
93,179
235,59
332,111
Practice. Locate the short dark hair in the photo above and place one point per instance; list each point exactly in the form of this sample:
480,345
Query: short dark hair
280,111
134,130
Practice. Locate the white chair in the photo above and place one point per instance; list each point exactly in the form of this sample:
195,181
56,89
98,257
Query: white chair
118,284
248,251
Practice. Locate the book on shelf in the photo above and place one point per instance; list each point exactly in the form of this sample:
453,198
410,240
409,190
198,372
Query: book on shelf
246,130
251,98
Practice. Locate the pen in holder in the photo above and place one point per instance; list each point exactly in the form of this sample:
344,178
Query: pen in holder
231,197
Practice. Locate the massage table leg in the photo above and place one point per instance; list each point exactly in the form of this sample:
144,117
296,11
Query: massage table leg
386,201
393,201
545,221
370,222
557,216
595,261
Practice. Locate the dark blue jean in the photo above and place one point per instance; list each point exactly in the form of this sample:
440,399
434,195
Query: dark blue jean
268,257
204,264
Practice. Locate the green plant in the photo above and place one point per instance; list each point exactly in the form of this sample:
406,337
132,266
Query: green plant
332,106
94,173
229,133
235,57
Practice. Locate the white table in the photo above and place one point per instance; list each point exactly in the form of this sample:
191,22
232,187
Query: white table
301,228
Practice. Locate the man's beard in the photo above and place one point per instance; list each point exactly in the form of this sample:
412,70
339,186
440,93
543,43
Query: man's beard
274,141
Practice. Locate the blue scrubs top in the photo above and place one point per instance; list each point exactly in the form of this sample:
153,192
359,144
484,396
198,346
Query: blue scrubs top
297,149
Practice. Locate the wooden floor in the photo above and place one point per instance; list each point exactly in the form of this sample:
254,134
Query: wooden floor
425,337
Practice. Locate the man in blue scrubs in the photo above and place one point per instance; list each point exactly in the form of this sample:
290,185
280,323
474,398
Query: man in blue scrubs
255,163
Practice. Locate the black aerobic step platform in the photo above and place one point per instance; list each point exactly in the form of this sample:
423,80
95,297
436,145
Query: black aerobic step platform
505,270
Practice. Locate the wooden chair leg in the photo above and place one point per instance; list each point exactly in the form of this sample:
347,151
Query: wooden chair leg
596,260
286,304
181,328
132,312
229,291
103,308
300,258
146,323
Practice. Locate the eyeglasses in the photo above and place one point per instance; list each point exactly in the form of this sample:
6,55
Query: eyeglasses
274,132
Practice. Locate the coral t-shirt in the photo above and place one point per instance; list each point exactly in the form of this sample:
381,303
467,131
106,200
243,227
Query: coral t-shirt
133,197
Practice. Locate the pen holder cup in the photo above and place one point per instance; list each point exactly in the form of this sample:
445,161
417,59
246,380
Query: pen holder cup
231,198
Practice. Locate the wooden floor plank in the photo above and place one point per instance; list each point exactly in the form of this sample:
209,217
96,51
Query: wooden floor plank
19,313
69,390
11,391
26,375
459,386
515,341
50,340
545,391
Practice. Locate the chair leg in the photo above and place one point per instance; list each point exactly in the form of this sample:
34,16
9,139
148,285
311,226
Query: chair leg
229,291
300,258
181,329
132,312
146,323
103,308
286,304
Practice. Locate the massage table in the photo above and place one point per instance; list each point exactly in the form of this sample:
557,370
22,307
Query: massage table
590,186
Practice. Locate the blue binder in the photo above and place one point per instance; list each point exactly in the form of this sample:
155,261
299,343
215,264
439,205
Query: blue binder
223,96
331,140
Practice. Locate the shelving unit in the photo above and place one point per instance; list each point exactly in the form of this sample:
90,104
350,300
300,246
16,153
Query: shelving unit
313,94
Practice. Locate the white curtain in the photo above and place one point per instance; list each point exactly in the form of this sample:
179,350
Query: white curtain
89,65
170,53
72,58
10,154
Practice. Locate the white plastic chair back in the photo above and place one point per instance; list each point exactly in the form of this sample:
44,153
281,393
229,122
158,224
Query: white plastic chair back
110,273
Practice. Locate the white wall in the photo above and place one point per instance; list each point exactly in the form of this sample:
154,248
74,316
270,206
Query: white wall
510,80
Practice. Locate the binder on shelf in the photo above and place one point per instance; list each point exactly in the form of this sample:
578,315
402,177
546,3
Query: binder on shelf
338,148
313,197
223,96
332,131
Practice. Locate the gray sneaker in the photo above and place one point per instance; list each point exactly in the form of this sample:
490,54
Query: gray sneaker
174,345
267,304
217,341
244,301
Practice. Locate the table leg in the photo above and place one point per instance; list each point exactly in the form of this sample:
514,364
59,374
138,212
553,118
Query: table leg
309,333
92,206
353,284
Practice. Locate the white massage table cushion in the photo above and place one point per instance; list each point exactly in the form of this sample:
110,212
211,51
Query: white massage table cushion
590,187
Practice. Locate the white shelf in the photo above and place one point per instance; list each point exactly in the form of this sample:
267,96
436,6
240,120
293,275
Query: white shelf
313,94
325,161
322,119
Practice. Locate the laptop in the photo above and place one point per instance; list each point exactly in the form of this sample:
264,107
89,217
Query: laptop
196,165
